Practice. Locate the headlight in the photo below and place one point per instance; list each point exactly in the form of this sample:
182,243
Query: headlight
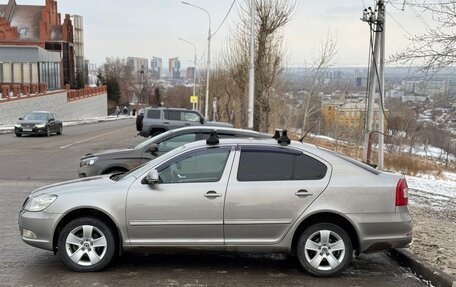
88,161
17,125
40,202
40,126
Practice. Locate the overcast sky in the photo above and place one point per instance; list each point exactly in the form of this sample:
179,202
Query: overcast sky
147,28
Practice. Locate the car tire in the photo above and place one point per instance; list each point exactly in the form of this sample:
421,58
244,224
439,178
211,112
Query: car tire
48,132
86,245
18,135
324,250
60,130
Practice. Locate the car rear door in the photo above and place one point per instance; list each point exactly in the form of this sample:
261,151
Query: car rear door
269,188
172,119
186,206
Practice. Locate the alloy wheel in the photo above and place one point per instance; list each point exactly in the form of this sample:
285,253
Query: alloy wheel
86,245
324,250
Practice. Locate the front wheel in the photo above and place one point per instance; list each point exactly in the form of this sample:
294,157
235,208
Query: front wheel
48,132
324,250
60,130
18,135
86,245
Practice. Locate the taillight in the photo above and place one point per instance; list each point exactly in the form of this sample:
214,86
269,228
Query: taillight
401,193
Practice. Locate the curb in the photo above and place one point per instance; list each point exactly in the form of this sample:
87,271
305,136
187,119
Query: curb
422,269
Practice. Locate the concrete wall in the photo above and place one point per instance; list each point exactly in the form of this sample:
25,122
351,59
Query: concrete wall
90,107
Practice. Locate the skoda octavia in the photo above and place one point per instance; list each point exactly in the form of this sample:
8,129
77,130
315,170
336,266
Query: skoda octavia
244,195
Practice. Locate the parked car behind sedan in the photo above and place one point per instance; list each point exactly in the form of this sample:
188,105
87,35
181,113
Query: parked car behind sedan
122,160
38,123
244,195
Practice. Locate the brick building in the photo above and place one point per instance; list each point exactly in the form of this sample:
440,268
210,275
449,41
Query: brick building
40,26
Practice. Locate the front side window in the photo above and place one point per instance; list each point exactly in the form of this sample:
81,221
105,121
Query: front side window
191,117
177,141
201,166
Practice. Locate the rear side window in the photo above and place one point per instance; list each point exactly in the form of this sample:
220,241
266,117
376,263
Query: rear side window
308,168
276,165
265,166
173,115
153,114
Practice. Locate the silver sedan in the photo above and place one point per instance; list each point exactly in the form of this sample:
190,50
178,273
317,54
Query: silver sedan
243,195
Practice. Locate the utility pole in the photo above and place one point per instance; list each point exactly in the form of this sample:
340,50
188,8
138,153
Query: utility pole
251,66
376,24
381,114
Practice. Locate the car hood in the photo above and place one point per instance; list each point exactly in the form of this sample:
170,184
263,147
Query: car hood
93,183
111,152
219,124
32,122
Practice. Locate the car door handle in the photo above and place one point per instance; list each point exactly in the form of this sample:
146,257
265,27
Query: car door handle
166,123
212,194
187,124
303,193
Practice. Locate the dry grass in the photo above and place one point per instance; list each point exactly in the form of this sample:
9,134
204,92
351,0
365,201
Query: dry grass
401,162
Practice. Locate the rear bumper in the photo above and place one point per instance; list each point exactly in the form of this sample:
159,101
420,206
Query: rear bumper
380,231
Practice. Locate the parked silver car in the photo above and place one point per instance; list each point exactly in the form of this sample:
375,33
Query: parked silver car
123,160
242,195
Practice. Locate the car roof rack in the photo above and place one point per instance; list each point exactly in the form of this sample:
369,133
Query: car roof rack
213,138
276,134
282,137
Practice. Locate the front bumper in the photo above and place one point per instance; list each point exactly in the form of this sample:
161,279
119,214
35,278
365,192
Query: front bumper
89,170
41,225
30,131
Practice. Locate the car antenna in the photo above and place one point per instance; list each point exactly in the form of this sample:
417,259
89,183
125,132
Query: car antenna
213,138
302,139
284,140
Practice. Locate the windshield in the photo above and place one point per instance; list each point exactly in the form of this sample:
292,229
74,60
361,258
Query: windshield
155,139
36,117
136,172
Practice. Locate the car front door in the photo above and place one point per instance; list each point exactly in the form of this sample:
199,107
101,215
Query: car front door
186,206
268,190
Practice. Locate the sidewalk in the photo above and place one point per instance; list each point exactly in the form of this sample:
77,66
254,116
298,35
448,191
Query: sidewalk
7,129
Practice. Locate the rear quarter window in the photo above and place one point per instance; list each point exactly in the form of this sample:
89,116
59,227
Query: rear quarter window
153,114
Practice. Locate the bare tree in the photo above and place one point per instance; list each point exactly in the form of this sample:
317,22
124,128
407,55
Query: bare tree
322,61
436,48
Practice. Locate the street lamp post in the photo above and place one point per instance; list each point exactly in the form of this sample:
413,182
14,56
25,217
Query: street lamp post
206,105
194,70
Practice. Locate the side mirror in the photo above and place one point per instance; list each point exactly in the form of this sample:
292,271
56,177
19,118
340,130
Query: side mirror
202,120
153,148
151,177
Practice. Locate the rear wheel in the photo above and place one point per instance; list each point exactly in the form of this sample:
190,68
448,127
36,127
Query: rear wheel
86,245
324,249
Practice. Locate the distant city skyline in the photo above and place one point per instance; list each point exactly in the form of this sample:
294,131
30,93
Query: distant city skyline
145,28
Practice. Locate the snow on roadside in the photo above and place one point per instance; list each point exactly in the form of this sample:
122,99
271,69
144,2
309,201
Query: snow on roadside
427,190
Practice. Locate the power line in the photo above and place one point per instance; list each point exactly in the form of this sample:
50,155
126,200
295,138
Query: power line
400,25
224,19
418,15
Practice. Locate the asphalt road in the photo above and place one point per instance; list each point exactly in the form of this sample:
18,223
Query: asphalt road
30,162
